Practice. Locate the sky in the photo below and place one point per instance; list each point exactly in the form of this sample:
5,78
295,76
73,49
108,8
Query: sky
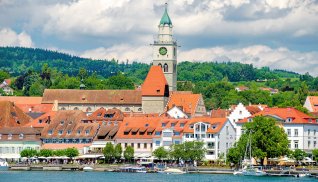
280,34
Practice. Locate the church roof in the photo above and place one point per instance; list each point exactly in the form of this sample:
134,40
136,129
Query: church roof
165,19
155,83
92,96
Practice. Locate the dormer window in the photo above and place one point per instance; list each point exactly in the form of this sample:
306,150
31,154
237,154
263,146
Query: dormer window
240,112
157,133
71,122
60,132
191,126
181,125
214,126
9,136
50,132
69,132
163,125
21,136
249,119
146,125
288,120
62,122
99,114
115,123
40,121
86,132
173,124
78,132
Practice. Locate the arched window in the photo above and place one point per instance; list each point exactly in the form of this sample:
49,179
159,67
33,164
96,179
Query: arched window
127,109
165,67
140,109
63,108
89,109
75,108
160,65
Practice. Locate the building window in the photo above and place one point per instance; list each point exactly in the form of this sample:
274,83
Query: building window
166,143
315,132
62,122
288,132
163,125
78,132
89,109
86,132
21,136
165,68
140,109
308,132
315,143
127,109
191,126
296,144
146,125
75,108
138,145
160,65
9,136
176,142
0,136
132,145
157,143
63,108
173,124
227,130
145,145
309,144
126,145
157,133
240,112
181,125
40,121
68,132
296,132
60,132
176,133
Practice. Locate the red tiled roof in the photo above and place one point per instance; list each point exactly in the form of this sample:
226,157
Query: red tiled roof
185,101
216,124
22,100
117,97
313,102
43,108
155,83
102,114
57,146
44,120
297,117
134,123
253,109
12,116
219,113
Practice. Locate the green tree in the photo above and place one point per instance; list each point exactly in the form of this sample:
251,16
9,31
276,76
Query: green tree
60,152
108,151
299,154
46,153
36,89
268,139
118,151
160,153
129,153
71,152
120,81
28,153
3,75
188,151
315,154
82,73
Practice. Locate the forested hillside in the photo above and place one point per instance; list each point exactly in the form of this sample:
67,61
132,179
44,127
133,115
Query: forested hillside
33,70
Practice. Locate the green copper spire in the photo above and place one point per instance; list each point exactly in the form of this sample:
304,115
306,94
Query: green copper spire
165,20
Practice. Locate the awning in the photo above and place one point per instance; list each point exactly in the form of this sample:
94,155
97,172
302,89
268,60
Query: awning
89,156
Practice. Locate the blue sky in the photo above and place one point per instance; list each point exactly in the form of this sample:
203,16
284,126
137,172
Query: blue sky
281,34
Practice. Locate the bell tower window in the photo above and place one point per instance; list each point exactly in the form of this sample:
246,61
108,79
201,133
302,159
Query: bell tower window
165,67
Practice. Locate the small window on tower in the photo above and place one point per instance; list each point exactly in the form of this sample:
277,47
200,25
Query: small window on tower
165,67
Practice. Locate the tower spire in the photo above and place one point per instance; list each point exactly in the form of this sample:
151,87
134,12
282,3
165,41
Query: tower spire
165,19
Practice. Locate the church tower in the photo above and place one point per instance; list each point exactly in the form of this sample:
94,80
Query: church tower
165,51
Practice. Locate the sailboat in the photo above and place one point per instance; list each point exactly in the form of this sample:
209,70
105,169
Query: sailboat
247,164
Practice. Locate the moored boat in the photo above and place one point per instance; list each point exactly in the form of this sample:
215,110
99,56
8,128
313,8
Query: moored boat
88,169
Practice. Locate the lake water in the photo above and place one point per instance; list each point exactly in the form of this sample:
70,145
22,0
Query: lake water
76,176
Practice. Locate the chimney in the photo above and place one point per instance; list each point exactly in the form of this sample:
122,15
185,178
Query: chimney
48,119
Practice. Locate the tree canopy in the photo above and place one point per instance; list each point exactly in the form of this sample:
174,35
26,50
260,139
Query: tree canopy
108,151
268,140
129,153
161,153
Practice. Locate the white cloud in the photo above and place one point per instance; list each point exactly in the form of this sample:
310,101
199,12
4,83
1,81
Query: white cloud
121,53
9,37
258,55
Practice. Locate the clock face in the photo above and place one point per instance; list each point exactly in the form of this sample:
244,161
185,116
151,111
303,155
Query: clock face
163,50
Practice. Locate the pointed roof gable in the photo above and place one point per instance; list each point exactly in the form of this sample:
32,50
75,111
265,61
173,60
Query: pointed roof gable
188,102
155,83
12,116
313,100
